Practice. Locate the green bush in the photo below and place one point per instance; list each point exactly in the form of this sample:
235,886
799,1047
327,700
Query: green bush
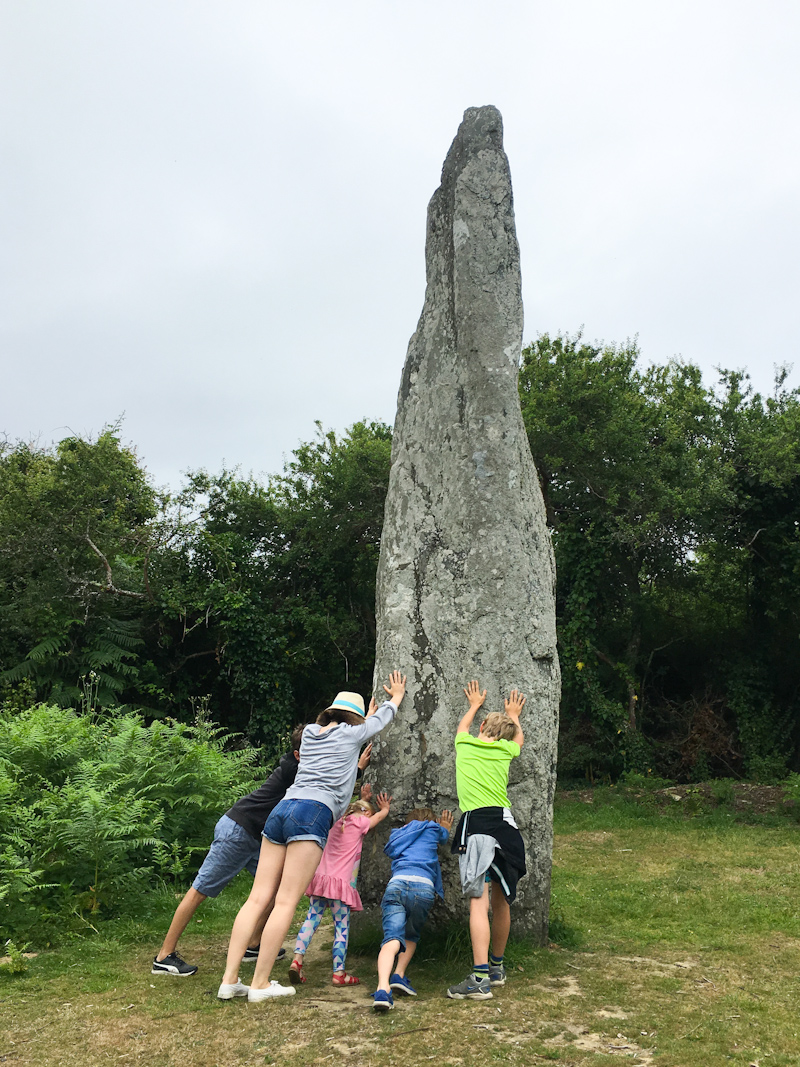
93,813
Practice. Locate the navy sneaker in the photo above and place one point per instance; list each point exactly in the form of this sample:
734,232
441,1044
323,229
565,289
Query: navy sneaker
251,955
471,988
398,983
382,1001
173,964
497,974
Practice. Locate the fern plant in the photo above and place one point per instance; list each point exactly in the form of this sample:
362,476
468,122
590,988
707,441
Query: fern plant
92,812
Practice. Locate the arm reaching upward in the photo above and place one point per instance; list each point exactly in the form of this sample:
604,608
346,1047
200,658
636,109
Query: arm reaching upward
384,803
363,759
513,708
396,688
476,698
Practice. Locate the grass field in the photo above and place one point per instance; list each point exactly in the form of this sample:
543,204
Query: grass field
676,943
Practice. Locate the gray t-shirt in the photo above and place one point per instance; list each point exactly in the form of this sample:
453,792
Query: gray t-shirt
329,760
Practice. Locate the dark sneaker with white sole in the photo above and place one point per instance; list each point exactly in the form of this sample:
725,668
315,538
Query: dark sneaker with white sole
398,983
382,1001
497,975
251,955
471,988
174,965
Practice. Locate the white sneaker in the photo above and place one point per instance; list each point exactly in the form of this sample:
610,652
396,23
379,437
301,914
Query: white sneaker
274,989
228,992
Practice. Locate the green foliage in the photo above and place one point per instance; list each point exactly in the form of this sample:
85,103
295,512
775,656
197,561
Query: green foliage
675,511
14,962
676,520
266,593
74,537
96,811
259,597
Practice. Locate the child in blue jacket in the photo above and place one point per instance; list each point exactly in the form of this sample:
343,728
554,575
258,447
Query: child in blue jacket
415,881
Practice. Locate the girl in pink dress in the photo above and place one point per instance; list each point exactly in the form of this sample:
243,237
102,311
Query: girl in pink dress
334,886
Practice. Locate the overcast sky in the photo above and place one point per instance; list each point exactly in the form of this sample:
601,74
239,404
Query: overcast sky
212,215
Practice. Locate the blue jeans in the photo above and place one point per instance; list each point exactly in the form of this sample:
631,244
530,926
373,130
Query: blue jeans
404,909
298,820
231,851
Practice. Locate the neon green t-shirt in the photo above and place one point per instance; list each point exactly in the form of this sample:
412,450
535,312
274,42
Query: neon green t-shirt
482,771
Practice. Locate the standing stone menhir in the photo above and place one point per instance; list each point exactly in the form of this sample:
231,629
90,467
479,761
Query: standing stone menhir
466,580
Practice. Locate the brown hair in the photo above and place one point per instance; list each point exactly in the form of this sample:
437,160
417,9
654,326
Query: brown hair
421,815
329,715
297,736
499,726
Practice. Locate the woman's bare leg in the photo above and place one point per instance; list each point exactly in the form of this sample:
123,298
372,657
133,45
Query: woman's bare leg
266,881
302,860
255,940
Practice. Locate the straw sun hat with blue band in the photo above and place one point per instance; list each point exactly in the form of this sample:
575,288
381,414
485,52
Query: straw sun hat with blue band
348,702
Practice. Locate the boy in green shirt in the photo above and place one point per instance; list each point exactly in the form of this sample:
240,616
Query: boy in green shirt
488,843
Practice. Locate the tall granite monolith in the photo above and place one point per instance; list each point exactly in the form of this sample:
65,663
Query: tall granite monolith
466,579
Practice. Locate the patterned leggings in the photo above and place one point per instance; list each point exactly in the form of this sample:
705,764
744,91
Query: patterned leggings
341,928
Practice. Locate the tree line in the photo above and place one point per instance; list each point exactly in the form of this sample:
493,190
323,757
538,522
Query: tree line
675,512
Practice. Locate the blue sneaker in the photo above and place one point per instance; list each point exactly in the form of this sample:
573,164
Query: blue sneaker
382,1001
398,983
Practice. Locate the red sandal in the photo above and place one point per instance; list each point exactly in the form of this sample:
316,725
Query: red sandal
296,976
345,979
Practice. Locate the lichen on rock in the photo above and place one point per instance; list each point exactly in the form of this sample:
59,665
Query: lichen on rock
466,579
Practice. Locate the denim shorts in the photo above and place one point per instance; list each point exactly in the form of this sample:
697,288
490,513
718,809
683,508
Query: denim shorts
404,909
231,851
298,820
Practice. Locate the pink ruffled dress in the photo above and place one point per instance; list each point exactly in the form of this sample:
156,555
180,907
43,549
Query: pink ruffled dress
337,873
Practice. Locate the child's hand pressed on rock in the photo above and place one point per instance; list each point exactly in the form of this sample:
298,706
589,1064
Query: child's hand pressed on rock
384,801
474,695
514,704
446,819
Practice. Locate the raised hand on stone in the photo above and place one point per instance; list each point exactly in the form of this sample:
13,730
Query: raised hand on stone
446,819
396,687
373,707
474,695
514,704
384,801
363,759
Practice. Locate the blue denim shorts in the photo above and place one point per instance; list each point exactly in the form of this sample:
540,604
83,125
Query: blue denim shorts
404,909
298,820
232,850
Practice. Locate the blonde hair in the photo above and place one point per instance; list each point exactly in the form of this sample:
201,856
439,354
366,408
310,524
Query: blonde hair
358,807
499,726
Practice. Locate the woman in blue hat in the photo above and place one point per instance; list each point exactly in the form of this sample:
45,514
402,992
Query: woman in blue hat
295,833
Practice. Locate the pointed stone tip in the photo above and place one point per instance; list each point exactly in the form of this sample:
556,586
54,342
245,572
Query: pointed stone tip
482,122
487,113
481,128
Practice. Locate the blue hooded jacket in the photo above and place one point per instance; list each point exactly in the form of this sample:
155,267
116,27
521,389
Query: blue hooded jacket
413,850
